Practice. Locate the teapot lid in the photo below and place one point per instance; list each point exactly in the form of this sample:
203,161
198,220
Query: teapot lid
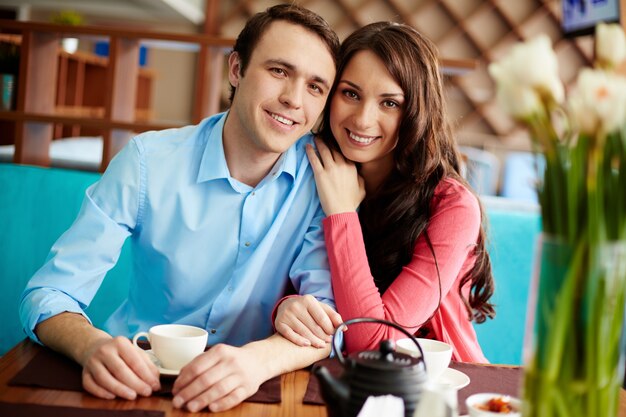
385,358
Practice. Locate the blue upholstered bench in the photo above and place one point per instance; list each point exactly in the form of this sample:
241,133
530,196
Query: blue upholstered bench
38,204
512,237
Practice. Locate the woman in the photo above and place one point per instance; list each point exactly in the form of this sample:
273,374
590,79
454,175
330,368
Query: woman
415,251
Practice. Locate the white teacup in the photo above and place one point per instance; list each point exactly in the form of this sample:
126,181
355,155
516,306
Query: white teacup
175,345
437,355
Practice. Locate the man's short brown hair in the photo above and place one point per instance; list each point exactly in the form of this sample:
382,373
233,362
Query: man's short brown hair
258,24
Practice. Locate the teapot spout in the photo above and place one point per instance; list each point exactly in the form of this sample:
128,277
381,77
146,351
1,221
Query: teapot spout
335,392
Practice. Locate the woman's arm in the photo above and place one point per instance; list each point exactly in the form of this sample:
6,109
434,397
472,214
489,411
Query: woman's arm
414,295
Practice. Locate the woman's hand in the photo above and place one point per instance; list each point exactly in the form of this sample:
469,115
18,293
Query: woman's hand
305,321
339,185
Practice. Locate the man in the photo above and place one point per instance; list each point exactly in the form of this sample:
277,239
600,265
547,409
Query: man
220,216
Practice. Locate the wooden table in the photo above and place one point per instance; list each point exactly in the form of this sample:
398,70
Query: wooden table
293,387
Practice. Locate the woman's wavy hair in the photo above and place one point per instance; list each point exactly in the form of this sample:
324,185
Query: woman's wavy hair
399,212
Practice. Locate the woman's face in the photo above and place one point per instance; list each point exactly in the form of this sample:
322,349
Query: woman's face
366,110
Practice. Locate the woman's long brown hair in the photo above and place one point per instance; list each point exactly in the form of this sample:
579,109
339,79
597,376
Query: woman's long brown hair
399,212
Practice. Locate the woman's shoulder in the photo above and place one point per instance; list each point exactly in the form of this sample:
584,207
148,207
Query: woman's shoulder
453,193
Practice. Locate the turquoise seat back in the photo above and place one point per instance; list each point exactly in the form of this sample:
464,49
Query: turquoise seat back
36,206
513,232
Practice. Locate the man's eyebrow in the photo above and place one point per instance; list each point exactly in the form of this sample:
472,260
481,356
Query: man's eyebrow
292,67
281,63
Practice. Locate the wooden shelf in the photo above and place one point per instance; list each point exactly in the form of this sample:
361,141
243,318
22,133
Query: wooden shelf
84,120
59,93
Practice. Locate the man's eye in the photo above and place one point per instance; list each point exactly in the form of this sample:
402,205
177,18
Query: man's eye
316,88
278,71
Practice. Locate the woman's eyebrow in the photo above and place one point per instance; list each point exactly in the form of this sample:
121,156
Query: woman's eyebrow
351,84
385,95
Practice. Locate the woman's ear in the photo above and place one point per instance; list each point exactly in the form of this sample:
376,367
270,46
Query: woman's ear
234,69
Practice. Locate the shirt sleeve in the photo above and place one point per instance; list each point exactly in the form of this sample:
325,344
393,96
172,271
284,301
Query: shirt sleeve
80,258
414,295
310,271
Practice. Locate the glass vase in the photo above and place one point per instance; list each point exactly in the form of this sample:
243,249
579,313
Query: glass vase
573,354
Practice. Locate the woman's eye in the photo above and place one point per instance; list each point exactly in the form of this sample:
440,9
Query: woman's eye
350,94
390,104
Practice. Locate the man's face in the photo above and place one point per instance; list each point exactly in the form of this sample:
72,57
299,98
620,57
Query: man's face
283,91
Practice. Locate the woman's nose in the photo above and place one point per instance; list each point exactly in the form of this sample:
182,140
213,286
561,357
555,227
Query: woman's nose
364,115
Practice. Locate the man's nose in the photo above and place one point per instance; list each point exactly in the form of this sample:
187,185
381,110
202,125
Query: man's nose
291,95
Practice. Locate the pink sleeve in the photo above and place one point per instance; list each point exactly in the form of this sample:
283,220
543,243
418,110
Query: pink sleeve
413,296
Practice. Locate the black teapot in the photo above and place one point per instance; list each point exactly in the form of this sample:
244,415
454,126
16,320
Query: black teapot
372,373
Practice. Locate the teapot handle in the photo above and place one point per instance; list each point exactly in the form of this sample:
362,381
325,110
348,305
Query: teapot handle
337,350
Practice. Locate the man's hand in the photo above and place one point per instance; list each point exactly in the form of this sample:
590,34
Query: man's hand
306,321
116,368
220,378
112,367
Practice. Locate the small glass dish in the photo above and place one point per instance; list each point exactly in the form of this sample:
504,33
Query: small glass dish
491,404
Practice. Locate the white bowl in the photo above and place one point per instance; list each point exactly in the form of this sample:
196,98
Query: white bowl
437,354
473,401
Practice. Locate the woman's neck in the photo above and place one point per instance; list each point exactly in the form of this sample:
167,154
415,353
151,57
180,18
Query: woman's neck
374,173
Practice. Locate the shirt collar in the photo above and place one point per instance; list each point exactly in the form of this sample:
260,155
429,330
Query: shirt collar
213,164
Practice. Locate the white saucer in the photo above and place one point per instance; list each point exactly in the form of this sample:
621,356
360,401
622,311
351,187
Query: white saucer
453,378
157,362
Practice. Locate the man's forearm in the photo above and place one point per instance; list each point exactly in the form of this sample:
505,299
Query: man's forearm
279,355
70,334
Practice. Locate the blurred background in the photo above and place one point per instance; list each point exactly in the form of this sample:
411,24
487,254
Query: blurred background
469,33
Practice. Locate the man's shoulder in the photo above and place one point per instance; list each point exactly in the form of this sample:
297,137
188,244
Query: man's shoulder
303,141
300,146
190,135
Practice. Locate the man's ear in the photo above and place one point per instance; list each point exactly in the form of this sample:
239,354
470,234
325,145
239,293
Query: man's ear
234,69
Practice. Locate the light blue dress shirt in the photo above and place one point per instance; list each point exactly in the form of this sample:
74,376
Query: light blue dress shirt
207,249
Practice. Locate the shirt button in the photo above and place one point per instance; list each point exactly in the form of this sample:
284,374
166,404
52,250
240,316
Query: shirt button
253,193
247,244
230,289
213,331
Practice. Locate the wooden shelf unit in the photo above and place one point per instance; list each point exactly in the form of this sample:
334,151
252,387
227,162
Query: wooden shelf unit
117,86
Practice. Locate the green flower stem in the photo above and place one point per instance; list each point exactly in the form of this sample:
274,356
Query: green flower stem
559,320
580,314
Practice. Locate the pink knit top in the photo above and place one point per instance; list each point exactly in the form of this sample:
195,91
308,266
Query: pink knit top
414,294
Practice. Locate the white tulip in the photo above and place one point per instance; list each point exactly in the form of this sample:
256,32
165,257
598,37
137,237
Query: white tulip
518,100
535,64
610,45
530,65
599,102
